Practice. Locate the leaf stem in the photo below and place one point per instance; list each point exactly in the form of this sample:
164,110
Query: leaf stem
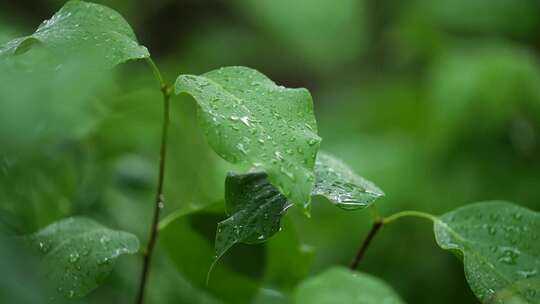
159,199
377,224
414,213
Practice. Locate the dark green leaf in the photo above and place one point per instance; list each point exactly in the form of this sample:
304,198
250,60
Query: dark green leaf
339,184
340,285
500,248
78,253
256,208
248,119
80,27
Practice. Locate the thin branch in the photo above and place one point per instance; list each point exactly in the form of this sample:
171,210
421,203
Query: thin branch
393,217
377,224
159,199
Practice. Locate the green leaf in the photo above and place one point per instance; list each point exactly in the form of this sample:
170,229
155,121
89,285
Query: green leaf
256,207
78,253
81,27
339,184
250,120
340,285
500,248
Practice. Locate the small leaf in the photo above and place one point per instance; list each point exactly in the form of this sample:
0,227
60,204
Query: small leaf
255,206
340,285
80,27
500,248
78,253
248,119
339,184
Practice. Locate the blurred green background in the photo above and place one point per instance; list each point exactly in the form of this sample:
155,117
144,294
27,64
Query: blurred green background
437,102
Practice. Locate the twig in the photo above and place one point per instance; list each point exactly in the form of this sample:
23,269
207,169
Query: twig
159,199
377,224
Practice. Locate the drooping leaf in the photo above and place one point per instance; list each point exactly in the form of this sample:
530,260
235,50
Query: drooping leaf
256,207
78,253
248,119
500,246
339,184
82,27
340,285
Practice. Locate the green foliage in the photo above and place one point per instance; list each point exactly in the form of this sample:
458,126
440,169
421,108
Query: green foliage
78,253
329,35
499,245
248,119
339,285
73,142
81,28
340,185
256,207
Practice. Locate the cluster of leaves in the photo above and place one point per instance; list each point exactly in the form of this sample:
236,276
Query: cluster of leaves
271,133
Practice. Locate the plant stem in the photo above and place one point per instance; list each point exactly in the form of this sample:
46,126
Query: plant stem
414,213
377,224
159,199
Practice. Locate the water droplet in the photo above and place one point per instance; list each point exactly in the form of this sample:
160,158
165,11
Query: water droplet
74,257
312,141
104,240
242,148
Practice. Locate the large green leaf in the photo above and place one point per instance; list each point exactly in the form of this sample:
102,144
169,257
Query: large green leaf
256,207
81,27
339,184
78,253
340,285
500,248
248,119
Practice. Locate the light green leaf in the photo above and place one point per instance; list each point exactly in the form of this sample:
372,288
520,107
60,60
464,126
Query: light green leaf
248,119
339,184
256,207
500,248
81,27
340,285
78,253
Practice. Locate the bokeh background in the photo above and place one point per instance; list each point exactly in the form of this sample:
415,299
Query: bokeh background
437,102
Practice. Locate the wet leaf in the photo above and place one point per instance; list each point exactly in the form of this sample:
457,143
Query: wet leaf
339,184
81,27
256,207
500,248
78,253
250,120
340,285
